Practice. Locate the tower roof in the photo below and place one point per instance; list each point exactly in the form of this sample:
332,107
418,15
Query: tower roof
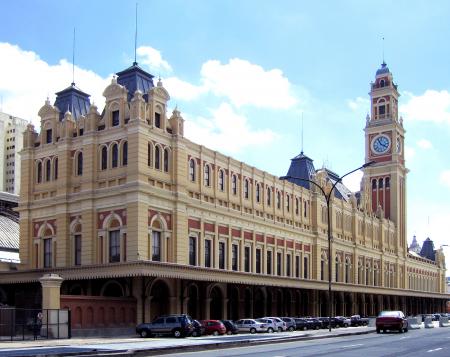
428,249
74,100
384,69
134,78
301,166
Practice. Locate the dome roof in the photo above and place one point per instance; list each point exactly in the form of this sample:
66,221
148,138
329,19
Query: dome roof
383,70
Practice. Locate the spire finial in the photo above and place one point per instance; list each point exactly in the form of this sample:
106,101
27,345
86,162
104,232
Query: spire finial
382,46
302,134
135,36
73,58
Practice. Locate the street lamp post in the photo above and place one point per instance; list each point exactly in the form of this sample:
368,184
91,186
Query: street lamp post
328,200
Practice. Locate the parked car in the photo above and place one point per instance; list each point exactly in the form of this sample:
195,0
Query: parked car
357,320
325,322
214,327
290,323
230,326
271,324
199,329
391,320
342,321
313,323
281,325
301,324
250,325
175,325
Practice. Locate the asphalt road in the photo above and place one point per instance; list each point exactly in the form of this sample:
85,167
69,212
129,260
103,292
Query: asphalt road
423,342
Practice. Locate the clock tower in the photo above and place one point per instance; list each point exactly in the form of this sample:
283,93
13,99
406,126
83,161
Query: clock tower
384,144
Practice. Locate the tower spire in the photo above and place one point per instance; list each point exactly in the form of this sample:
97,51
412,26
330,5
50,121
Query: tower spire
135,35
302,135
382,48
73,58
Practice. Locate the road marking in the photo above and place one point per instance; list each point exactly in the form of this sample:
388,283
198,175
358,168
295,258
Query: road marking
357,345
436,349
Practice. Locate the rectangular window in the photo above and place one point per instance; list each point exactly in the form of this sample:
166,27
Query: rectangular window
278,263
297,266
305,267
158,120
221,255
192,251
234,257
47,253
48,138
288,265
269,262
156,246
382,110
207,253
115,118
247,259
258,261
77,249
114,246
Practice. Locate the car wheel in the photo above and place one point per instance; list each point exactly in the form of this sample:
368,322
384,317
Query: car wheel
194,334
345,325
177,333
229,332
145,333
216,333
378,330
270,330
405,329
317,327
304,328
291,329
252,330
280,329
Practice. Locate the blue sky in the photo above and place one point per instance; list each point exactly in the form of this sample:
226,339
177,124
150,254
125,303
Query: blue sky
243,72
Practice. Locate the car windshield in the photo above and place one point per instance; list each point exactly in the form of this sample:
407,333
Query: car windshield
389,314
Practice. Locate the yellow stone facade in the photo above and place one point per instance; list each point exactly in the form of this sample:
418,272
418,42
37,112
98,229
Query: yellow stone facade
103,195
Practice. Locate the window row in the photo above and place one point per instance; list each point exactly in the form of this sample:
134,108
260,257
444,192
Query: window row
381,183
46,169
158,157
111,156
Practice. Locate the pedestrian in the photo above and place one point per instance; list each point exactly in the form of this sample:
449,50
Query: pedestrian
37,326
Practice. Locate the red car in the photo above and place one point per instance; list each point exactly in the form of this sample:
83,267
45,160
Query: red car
214,327
391,320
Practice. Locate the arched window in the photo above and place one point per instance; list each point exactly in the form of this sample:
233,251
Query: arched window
125,154
296,206
80,164
115,156
387,182
158,119
221,180
149,154
104,158
166,160
39,172
55,168
258,193
278,200
382,83
48,170
157,158
380,183
287,203
234,184
374,184
347,270
268,196
246,189
337,269
207,175
192,170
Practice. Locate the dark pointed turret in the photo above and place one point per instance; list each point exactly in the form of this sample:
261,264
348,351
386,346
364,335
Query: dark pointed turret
428,249
134,78
74,100
301,167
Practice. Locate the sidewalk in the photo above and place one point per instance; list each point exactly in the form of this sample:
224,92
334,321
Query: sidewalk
129,346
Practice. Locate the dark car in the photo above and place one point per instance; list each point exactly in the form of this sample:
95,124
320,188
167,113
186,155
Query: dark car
301,324
391,320
214,327
357,320
325,322
175,325
199,329
342,321
231,327
313,324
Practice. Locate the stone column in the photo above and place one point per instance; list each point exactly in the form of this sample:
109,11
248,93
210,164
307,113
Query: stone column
51,303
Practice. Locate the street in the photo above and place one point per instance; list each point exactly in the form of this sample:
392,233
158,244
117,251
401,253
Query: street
435,342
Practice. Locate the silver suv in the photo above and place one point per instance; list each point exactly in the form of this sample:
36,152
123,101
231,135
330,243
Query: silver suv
290,323
271,325
281,325
250,325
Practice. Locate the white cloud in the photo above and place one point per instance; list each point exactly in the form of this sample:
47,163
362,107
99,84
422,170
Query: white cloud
245,83
409,153
424,144
152,58
26,80
353,181
433,106
183,90
444,178
359,104
226,131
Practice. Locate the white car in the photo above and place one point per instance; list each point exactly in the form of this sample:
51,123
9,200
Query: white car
281,325
251,325
271,325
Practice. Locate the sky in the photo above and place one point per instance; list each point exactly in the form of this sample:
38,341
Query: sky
244,73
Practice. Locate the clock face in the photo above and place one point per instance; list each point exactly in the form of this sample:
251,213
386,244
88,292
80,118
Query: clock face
381,144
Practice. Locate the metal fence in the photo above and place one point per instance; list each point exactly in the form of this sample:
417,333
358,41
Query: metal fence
29,324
